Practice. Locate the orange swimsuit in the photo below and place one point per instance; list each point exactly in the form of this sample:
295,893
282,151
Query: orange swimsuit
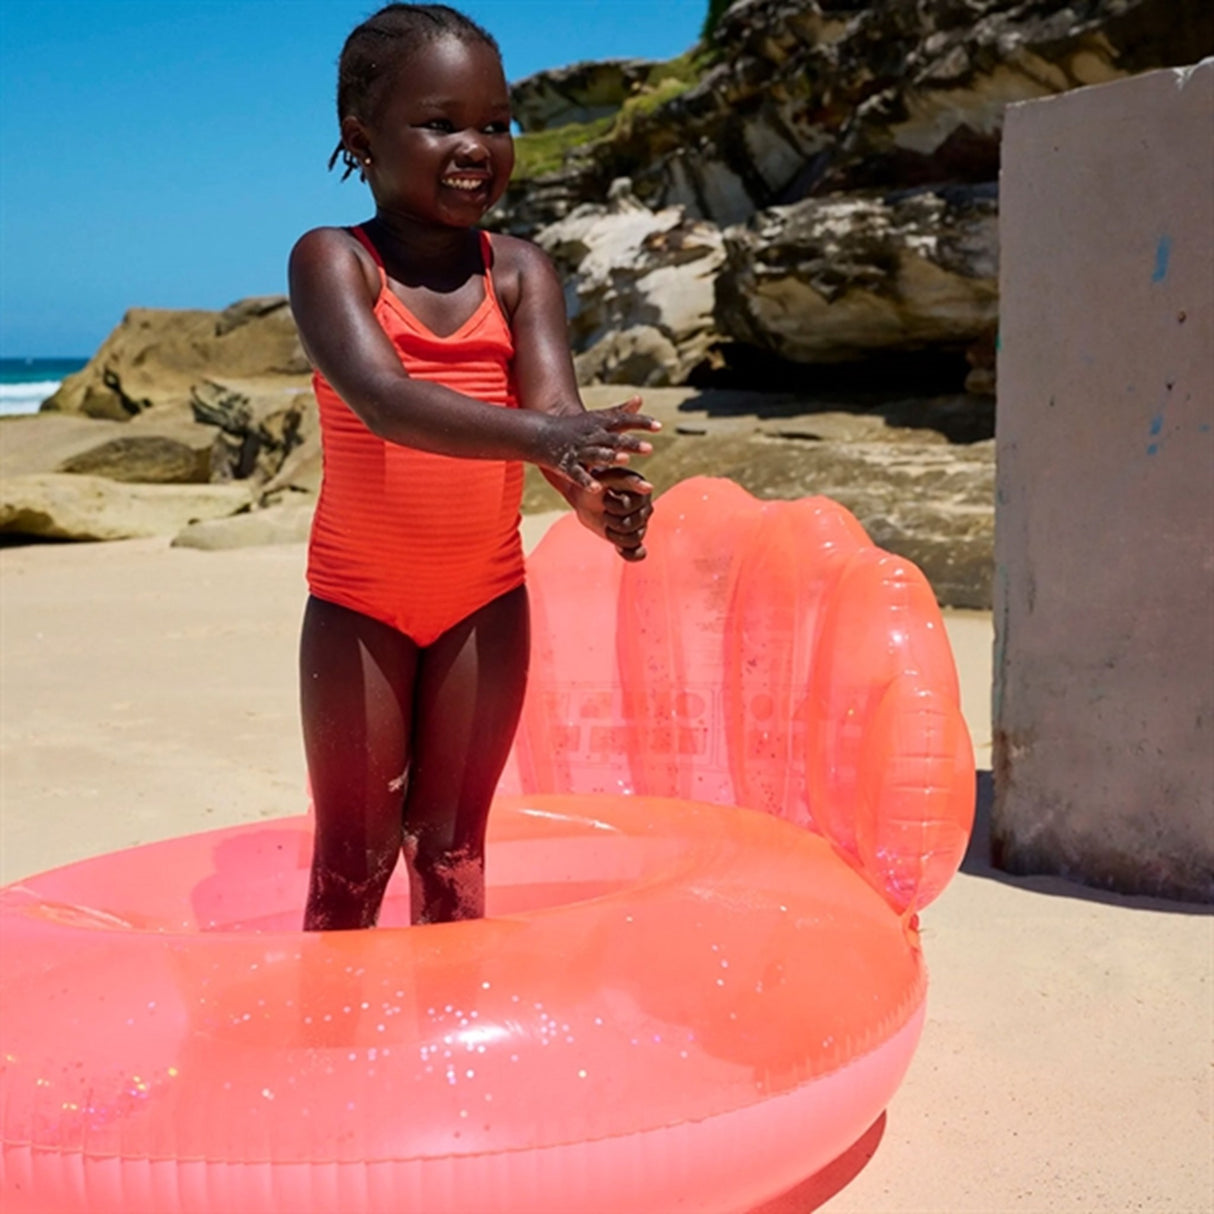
416,540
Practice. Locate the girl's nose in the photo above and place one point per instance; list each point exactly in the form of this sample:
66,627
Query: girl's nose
472,149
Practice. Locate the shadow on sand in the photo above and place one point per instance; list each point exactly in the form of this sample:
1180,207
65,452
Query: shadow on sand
815,1191
959,417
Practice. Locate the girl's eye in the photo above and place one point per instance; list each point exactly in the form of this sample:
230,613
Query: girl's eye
498,128
439,124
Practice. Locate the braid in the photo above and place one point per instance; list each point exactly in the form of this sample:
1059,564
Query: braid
375,49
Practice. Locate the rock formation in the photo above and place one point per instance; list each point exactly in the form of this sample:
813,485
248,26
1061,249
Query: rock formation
801,98
259,424
252,529
72,507
849,153
579,93
834,279
917,473
191,411
155,356
641,299
150,459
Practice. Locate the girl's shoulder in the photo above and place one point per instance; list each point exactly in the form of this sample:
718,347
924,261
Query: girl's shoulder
336,255
517,263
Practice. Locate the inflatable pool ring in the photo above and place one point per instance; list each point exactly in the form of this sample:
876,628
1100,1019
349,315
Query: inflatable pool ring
671,1005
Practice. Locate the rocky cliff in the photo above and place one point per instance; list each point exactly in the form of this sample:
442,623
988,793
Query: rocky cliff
180,417
844,157
154,356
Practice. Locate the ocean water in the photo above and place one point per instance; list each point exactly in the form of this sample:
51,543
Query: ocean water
26,382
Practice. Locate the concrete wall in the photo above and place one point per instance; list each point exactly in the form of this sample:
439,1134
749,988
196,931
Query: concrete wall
1103,707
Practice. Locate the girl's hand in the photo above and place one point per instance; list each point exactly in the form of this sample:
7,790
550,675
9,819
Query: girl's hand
576,442
620,514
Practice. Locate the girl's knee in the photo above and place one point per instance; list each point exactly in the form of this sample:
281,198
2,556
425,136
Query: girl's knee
345,890
445,883
357,859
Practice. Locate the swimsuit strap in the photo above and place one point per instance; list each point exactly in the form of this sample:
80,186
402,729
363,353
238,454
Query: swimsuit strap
487,259
365,241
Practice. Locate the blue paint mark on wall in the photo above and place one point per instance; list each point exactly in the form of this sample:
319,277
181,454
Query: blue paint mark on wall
1155,430
1163,254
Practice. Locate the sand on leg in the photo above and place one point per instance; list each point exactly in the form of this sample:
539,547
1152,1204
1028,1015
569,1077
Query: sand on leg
470,686
357,681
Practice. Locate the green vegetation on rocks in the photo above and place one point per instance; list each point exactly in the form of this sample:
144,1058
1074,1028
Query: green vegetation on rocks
541,152
544,151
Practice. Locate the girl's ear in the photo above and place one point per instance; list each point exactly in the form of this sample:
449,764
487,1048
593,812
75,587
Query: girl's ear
355,140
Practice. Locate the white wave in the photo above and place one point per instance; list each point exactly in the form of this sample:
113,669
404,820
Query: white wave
25,398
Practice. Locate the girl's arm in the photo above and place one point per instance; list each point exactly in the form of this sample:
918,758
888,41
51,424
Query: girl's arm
535,300
546,383
333,292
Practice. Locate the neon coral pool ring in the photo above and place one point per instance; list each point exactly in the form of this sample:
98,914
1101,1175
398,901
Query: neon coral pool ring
672,1005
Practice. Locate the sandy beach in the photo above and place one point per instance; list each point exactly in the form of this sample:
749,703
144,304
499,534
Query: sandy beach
1066,1065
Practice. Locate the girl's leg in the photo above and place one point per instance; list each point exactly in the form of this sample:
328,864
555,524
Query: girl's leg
470,686
356,692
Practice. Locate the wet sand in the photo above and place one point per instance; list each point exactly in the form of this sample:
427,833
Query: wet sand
149,692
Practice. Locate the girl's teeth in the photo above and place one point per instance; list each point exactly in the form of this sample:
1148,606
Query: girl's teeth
463,183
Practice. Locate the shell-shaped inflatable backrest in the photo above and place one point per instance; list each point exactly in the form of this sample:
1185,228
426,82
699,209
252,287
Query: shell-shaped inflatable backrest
881,621
770,637
568,736
915,802
674,621
764,655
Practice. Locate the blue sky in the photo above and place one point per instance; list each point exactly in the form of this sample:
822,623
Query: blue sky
167,153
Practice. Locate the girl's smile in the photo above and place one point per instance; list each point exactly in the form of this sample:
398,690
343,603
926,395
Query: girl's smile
440,148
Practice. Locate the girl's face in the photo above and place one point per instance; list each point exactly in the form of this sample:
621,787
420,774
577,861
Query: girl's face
441,150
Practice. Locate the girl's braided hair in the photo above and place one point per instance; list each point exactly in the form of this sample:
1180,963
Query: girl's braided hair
375,49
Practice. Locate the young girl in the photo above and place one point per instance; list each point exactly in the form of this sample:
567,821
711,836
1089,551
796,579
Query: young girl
441,363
